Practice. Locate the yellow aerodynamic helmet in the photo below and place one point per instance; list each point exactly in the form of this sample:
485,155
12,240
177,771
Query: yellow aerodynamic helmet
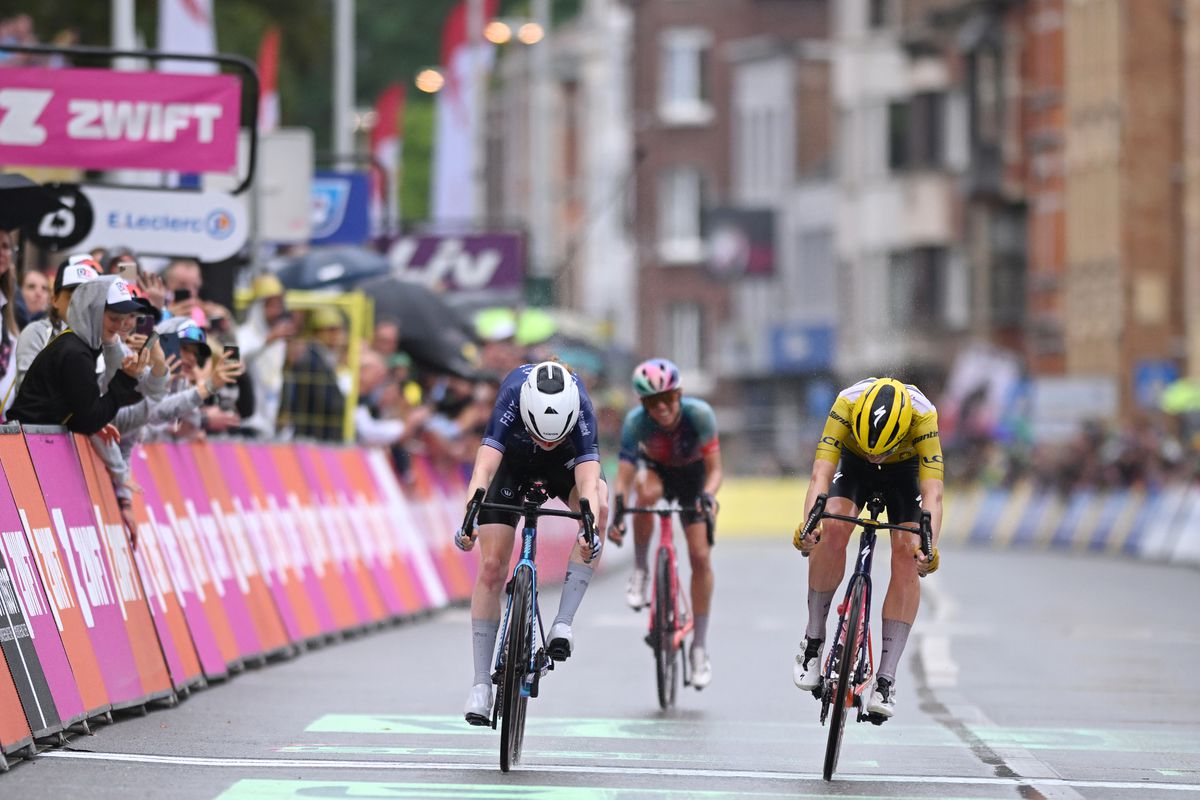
881,416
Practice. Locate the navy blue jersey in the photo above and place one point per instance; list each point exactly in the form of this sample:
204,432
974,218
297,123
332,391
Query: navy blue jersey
506,432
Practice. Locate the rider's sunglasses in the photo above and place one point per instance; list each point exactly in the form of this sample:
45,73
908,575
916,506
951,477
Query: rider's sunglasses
660,399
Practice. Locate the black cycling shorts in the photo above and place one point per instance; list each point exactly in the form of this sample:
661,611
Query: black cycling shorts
517,473
857,479
684,484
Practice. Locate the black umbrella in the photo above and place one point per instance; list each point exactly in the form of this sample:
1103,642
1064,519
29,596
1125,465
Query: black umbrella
23,202
332,268
431,331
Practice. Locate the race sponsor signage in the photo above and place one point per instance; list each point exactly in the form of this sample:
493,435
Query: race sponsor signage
209,225
462,263
341,208
69,225
105,119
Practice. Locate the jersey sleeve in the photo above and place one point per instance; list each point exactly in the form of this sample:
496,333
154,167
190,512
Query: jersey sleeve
837,428
705,422
583,436
629,435
928,446
506,413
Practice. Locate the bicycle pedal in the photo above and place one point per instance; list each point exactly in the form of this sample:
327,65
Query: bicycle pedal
876,719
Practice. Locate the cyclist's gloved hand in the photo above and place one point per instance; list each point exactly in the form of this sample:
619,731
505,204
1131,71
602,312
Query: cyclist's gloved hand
805,544
465,541
709,504
924,567
616,528
589,540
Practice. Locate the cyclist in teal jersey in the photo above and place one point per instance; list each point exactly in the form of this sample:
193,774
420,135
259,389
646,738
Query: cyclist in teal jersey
670,449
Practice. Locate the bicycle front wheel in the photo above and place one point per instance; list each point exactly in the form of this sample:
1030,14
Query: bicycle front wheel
843,691
666,655
516,665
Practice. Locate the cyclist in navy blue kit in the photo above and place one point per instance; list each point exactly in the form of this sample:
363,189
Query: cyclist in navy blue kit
542,428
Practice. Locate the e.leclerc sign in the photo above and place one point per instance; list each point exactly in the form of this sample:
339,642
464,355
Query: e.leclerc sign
209,226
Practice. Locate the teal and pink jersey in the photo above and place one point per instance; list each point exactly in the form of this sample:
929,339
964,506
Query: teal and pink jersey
692,438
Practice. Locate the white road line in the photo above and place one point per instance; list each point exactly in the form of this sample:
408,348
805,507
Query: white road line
592,769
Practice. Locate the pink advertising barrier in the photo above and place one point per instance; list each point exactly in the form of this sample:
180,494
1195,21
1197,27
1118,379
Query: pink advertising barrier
68,501
105,119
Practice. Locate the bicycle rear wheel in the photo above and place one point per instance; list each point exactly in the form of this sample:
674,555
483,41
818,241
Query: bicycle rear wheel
516,665
843,690
666,655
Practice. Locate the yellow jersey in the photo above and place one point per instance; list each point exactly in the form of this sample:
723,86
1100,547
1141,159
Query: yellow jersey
921,441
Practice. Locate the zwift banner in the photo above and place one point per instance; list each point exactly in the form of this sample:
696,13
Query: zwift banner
104,119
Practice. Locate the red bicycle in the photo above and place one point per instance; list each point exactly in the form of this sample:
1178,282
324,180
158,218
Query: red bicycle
670,613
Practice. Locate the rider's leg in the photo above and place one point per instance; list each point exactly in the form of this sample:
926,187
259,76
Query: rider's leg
496,544
900,604
700,558
579,573
649,492
827,565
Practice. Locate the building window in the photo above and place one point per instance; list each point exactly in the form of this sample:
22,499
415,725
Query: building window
878,13
684,90
917,286
683,338
680,210
916,132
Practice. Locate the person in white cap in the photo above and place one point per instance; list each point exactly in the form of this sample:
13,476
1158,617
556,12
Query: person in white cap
60,386
73,272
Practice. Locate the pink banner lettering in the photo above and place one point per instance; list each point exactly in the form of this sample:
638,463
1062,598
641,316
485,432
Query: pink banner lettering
104,119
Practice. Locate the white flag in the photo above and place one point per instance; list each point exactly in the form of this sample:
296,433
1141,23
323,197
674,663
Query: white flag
186,26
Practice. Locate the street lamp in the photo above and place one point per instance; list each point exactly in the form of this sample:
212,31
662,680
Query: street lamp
430,80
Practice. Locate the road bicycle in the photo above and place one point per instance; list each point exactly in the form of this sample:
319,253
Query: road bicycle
670,614
521,657
850,663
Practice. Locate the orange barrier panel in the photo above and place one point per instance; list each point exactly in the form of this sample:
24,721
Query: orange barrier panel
164,599
396,515
143,639
398,586
307,599
53,565
245,495
437,527
189,574
14,732
350,546
251,577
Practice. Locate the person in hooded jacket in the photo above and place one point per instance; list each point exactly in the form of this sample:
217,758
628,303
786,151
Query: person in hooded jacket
60,387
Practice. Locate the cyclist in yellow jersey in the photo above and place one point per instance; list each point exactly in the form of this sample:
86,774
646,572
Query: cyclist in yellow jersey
881,436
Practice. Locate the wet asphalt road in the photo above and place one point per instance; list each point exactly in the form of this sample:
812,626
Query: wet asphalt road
1028,675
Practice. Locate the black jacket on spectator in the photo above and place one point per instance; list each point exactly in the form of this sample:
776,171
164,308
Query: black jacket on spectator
61,386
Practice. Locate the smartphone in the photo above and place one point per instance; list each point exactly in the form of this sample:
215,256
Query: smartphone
170,344
144,325
182,294
150,340
128,270
232,353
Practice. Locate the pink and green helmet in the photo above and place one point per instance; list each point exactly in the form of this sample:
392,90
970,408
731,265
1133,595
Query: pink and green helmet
655,376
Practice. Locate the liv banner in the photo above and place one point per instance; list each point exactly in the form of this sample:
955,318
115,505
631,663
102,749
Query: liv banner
104,119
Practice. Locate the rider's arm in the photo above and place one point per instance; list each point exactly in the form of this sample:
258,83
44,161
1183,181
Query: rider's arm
822,476
587,481
626,472
713,471
487,462
931,501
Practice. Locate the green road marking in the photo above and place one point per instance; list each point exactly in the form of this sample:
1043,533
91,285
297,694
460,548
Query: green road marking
295,790
489,753
1154,740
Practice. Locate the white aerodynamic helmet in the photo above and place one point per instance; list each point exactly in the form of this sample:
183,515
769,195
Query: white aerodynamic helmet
550,401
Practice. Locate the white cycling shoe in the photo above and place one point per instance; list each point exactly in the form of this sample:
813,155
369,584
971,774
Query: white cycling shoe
562,641
479,705
637,593
806,672
701,668
883,698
